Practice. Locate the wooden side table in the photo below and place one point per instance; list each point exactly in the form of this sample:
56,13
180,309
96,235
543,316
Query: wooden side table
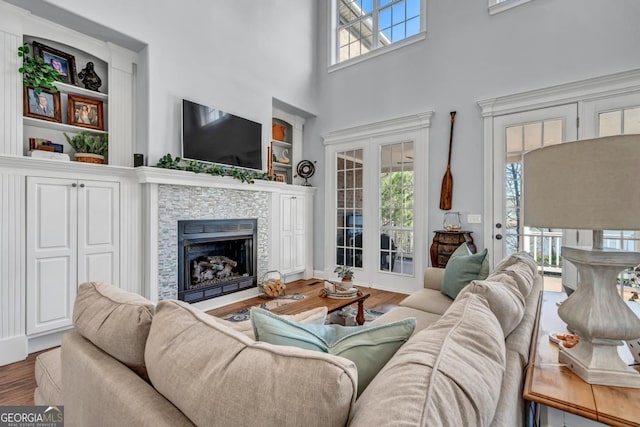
445,243
560,397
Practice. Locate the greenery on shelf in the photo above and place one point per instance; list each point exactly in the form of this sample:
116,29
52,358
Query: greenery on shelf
169,162
87,142
36,72
344,271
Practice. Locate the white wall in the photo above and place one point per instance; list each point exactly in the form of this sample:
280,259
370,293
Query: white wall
234,55
468,56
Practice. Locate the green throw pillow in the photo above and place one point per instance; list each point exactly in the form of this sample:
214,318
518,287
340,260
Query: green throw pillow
461,270
368,346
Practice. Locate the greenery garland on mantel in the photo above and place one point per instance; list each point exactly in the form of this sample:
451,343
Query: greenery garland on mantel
244,175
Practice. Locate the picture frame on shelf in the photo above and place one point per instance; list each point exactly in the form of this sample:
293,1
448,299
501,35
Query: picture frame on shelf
85,112
281,177
43,106
64,63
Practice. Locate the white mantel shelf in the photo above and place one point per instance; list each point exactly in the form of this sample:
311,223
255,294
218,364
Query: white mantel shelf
151,175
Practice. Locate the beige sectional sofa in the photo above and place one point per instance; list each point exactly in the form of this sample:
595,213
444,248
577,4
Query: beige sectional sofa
130,363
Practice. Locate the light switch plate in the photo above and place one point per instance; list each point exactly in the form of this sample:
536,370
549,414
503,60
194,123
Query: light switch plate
474,218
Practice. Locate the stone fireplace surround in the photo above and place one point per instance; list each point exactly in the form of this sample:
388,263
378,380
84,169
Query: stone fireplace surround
177,202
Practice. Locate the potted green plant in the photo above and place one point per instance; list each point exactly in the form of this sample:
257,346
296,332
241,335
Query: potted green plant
345,272
37,73
89,148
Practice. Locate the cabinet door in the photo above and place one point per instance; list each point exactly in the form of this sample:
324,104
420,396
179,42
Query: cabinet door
298,213
98,231
51,253
287,241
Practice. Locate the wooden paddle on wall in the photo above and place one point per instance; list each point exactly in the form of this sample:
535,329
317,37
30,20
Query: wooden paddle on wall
446,193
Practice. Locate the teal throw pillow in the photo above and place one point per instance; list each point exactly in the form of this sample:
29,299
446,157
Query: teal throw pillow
461,270
463,249
368,346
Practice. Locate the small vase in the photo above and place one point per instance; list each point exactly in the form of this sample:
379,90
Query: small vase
346,279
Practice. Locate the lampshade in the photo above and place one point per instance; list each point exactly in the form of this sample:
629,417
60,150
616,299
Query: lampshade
588,184
591,184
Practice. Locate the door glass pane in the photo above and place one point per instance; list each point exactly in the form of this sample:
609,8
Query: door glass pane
396,208
610,123
349,211
543,244
624,121
632,120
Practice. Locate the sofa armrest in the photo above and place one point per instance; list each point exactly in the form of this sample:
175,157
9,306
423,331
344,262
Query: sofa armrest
433,278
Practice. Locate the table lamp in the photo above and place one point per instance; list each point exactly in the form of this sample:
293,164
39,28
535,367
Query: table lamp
591,184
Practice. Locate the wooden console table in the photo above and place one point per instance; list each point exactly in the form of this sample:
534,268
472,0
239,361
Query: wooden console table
550,386
445,243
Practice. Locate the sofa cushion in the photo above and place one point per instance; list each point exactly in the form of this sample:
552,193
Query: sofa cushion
316,316
450,372
369,346
518,257
464,249
520,273
423,318
520,339
461,270
48,373
429,300
114,320
505,301
218,376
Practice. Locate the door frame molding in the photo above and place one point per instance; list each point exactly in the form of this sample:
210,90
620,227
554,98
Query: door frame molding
573,92
414,127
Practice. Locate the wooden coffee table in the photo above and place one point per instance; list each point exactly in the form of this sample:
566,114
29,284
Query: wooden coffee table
314,300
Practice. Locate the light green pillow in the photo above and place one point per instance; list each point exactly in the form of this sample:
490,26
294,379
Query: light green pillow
463,249
461,270
368,346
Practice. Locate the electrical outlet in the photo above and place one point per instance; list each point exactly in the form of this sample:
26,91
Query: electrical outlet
474,218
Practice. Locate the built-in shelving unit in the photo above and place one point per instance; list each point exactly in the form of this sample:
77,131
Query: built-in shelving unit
286,145
62,127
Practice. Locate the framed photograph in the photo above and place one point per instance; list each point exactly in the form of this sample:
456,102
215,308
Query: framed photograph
62,62
281,177
85,112
44,106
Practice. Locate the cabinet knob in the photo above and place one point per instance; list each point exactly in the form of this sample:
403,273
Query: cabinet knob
74,185
81,185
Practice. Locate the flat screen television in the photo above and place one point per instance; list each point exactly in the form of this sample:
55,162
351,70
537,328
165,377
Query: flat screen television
215,136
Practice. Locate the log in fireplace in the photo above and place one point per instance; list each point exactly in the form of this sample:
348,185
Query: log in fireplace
216,257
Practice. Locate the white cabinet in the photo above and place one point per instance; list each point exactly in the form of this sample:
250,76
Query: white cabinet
295,236
72,237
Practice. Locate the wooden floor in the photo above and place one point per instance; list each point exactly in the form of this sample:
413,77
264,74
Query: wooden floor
17,380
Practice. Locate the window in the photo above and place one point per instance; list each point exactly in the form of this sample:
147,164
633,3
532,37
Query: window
363,26
497,6
349,180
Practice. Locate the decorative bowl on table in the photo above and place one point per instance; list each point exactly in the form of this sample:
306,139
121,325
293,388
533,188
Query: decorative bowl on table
338,290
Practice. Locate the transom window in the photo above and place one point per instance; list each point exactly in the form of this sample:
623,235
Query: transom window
366,25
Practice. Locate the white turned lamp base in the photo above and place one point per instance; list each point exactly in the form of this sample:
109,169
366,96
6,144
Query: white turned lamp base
600,317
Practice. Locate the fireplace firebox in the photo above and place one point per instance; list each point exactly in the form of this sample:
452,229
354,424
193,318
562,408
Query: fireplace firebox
216,257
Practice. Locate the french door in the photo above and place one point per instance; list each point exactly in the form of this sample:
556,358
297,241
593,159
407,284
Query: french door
514,135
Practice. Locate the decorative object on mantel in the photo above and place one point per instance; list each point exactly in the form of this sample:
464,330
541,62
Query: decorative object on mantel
305,169
37,73
89,77
446,192
89,148
588,185
244,175
62,62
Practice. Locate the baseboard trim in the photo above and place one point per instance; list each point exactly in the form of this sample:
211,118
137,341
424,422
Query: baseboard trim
46,341
13,349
